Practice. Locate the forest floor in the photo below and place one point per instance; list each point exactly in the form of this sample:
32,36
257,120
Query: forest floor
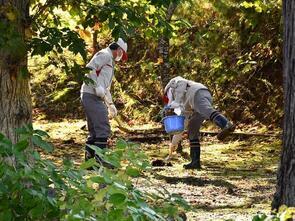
237,179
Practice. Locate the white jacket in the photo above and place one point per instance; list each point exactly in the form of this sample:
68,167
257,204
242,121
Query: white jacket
101,73
183,91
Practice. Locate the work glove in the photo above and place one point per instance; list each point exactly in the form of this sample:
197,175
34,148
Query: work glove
100,92
174,105
112,111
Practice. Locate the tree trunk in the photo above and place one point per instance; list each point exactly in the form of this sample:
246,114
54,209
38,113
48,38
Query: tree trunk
95,45
164,49
285,190
15,96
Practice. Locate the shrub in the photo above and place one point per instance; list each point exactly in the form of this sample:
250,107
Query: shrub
33,188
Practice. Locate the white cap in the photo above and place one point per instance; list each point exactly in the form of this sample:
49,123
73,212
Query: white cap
123,45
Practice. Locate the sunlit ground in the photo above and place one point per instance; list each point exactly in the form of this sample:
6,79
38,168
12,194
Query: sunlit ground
237,179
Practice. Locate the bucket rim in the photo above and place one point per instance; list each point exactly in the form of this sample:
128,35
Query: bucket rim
173,116
164,118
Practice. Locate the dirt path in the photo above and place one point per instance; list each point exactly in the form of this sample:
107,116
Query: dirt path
237,179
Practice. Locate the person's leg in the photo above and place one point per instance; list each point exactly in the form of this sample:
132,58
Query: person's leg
86,102
97,115
89,153
221,121
203,105
173,144
194,125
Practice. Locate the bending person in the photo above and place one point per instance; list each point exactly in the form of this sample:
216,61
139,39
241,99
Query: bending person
196,102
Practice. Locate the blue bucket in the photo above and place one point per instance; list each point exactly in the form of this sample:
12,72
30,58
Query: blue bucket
174,123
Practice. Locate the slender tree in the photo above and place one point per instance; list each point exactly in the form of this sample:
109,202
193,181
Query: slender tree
285,190
164,47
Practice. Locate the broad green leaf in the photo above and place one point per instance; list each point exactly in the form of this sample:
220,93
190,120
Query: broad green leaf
100,195
107,175
38,141
1,136
6,215
88,164
21,145
37,211
133,172
97,179
117,214
36,155
121,144
41,133
117,199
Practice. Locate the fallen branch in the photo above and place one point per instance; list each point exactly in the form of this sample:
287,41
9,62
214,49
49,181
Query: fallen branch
157,133
123,127
157,130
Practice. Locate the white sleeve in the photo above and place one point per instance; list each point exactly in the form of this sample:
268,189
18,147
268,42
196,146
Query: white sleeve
170,96
180,91
97,61
108,97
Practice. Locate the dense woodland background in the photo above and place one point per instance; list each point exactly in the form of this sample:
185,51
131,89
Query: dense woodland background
233,47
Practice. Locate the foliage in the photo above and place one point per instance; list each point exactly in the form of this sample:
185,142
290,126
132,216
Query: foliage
284,214
228,44
32,188
223,44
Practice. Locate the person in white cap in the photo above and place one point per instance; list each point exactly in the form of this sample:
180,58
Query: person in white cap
194,100
96,97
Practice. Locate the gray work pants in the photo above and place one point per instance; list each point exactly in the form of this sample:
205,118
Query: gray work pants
97,117
202,110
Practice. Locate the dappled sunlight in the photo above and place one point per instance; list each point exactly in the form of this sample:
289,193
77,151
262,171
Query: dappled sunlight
237,177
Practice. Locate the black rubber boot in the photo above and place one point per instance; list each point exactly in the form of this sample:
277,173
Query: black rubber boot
223,123
195,152
89,153
229,128
102,143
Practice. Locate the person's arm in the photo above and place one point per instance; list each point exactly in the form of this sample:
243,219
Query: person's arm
111,106
176,139
179,93
99,61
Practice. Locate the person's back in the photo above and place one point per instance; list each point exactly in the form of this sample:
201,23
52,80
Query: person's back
102,71
195,99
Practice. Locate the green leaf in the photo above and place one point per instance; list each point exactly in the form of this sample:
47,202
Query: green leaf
37,211
95,148
88,164
36,155
97,179
6,215
103,16
21,145
23,130
116,32
117,199
121,144
41,133
107,175
117,214
38,141
133,172
1,136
